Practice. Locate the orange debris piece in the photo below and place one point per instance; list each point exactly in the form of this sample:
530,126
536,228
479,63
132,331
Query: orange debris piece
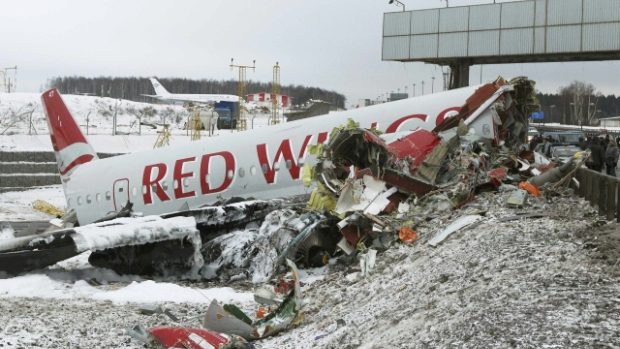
407,235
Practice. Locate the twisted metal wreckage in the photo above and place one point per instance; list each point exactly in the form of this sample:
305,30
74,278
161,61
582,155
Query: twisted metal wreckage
369,192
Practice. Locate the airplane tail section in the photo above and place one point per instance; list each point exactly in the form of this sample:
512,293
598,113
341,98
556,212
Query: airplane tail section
159,88
70,145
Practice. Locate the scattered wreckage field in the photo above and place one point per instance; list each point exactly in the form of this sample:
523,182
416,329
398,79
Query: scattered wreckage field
457,236
550,281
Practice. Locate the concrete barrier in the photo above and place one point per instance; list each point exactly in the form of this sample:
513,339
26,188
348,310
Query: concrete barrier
28,167
24,170
28,180
37,156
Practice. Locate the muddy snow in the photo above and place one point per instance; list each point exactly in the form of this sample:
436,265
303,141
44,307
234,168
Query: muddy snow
550,282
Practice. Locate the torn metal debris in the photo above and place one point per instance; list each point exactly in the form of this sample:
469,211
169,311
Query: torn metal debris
187,338
219,318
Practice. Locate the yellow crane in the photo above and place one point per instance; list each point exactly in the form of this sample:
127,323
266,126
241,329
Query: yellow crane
241,119
195,124
163,139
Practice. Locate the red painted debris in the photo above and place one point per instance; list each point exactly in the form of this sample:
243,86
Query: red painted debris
416,145
350,232
192,338
498,175
407,184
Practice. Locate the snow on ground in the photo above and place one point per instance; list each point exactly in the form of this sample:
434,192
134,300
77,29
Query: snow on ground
532,283
97,112
138,292
17,205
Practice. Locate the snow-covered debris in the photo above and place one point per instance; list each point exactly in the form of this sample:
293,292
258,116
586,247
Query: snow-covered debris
455,226
251,253
525,283
133,231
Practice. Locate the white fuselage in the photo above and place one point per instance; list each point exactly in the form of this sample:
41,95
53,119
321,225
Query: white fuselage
198,98
261,163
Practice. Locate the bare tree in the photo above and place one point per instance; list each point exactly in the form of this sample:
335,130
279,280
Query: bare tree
581,103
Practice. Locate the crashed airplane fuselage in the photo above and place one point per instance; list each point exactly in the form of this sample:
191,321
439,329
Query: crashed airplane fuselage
262,163
265,163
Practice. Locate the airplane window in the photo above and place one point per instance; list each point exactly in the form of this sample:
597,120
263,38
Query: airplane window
276,166
88,199
154,188
69,202
79,200
253,170
230,174
300,161
241,172
175,184
186,182
264,168
120,189
98,197
108,196
165,185
134,191
289,164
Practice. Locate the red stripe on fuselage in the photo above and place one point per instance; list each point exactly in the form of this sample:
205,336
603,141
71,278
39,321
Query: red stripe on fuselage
80,160
396,124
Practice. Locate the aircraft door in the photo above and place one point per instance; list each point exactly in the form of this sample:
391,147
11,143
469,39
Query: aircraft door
121,193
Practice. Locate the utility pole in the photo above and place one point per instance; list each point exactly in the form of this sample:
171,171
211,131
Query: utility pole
114,118
241,120
275,91
422,87
446,78
413,90
8,84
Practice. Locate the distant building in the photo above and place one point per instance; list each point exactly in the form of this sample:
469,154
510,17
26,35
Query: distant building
310,109
263,99
398,96
365,103
611,122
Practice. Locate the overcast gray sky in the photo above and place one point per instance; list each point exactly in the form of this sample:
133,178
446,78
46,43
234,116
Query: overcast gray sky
333,44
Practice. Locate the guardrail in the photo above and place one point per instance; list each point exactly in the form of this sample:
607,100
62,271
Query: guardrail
600,190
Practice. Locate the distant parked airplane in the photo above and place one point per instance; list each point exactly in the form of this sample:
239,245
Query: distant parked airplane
164,95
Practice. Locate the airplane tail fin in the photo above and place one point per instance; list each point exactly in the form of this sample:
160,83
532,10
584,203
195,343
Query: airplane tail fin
70,145
159,88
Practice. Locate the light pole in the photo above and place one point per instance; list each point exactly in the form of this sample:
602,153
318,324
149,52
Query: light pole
398,3
591,114
413,90
406,91
422,87
550,112
433,85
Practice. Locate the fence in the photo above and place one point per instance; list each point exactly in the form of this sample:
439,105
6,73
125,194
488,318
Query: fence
600,190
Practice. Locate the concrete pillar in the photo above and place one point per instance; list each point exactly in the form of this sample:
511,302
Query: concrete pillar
459,75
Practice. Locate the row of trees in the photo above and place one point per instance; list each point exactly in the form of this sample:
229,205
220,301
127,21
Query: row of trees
132,88
579,104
